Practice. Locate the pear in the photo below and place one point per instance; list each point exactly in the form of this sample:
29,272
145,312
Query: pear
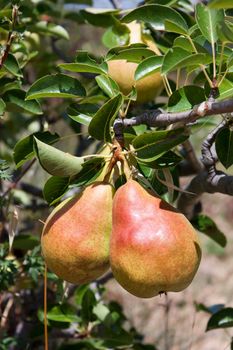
153,247
75,238
123,71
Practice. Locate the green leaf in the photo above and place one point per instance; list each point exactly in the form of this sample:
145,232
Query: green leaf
88,303
186,98
225,32
99,17
84,63
221,319
56,162
99,127
82,113
206,225
144,347
230,60
224,146
221,4
225,89
168,159
58,85
80,292
207,20
179,58
101,311
150,146
51,29
90,172
25,242
23,150
148,66
173,27
121,180
63,313
9,84
86,344
54,188
2,106
155,15
108,85
12,66
17,98
95,99
132,53
118,338
161,2
5,13
117,35
184,43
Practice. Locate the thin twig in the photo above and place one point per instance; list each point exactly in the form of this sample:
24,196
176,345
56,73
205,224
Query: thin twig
201,65
11,36
23,173
115,4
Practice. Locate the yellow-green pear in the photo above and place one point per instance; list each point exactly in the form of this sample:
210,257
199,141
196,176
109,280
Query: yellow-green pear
123,71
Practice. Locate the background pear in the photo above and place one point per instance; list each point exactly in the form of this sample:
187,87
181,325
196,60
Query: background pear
123,72
75,239
153,247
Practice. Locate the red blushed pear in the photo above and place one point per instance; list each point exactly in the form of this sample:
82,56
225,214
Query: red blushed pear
153,247
75,238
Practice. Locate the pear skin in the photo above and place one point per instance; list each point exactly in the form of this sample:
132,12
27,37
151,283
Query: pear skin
153,247
123,71
75,238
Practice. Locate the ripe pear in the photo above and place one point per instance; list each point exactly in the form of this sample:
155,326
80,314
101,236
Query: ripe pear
75,238
153,247
123,72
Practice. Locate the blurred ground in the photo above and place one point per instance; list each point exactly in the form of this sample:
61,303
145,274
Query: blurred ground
184,328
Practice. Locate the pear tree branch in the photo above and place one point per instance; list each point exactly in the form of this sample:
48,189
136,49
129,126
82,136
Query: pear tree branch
209,180
160,118
221,183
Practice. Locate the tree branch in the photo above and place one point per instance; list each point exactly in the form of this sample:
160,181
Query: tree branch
208,158
191,157
221,183
210,180
161,118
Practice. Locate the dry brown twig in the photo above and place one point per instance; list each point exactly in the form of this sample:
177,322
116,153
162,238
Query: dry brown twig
11,36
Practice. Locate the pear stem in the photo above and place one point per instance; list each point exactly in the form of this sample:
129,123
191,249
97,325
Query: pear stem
117,156
126,169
